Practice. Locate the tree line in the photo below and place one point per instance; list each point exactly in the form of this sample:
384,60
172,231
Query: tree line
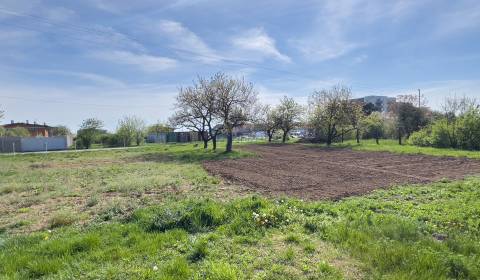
131,130
217,105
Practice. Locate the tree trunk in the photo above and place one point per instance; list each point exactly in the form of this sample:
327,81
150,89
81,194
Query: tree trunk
214,143
284,137
329,135
205,144
329,139
270,135
229,141
357,136
399,138
376,140
342,134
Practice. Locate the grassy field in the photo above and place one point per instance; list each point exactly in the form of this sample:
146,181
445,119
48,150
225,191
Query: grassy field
41,190
154,213
389,145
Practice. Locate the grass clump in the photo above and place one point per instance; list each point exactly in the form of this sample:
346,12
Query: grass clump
192,216
60,219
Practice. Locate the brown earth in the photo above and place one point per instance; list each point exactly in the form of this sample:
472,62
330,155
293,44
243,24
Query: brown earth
318,173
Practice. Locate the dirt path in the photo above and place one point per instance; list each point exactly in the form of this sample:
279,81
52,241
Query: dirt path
317,173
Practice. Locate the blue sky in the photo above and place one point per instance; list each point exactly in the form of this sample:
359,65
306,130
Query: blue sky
64,61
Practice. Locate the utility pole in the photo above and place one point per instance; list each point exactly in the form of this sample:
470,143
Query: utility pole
419,99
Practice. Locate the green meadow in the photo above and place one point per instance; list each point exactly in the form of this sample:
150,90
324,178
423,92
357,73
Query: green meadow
154,213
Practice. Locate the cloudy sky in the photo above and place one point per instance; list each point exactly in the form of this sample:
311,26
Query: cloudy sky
64,61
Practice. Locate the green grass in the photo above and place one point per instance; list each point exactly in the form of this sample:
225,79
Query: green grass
417,232
388,145
154,213
35,187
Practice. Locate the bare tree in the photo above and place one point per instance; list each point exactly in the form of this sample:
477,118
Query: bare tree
140,129
288,114
196,108
1,114
329,110
266,119
127,129
235,100
414,99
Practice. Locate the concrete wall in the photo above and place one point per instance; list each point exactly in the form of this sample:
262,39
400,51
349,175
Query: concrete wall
33,144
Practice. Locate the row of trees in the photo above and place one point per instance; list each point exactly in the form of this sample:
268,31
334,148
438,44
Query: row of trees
221,103
284,117
130,130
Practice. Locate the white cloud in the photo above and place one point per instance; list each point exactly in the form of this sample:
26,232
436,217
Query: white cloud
147,63
332,34
92,77
257,40
185,41
105,37
127,6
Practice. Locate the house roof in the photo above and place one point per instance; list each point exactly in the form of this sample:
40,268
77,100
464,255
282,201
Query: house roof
26,125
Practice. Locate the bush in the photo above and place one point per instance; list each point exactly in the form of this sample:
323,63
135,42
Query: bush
460,132
421,138
110,140
441,132
469,130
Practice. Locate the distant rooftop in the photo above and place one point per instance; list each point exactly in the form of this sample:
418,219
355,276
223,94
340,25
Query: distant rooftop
25,124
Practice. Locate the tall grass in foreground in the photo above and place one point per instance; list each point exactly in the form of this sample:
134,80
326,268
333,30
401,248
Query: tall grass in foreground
416,232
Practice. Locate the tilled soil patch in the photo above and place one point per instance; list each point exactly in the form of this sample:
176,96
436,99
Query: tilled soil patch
318,173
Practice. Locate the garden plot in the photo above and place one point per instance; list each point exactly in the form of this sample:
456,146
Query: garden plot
318,173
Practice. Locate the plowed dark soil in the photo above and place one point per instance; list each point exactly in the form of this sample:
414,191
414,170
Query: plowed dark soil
318,173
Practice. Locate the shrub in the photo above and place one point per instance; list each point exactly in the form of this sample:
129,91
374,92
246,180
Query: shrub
421,138
459,132
469,130
440,136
